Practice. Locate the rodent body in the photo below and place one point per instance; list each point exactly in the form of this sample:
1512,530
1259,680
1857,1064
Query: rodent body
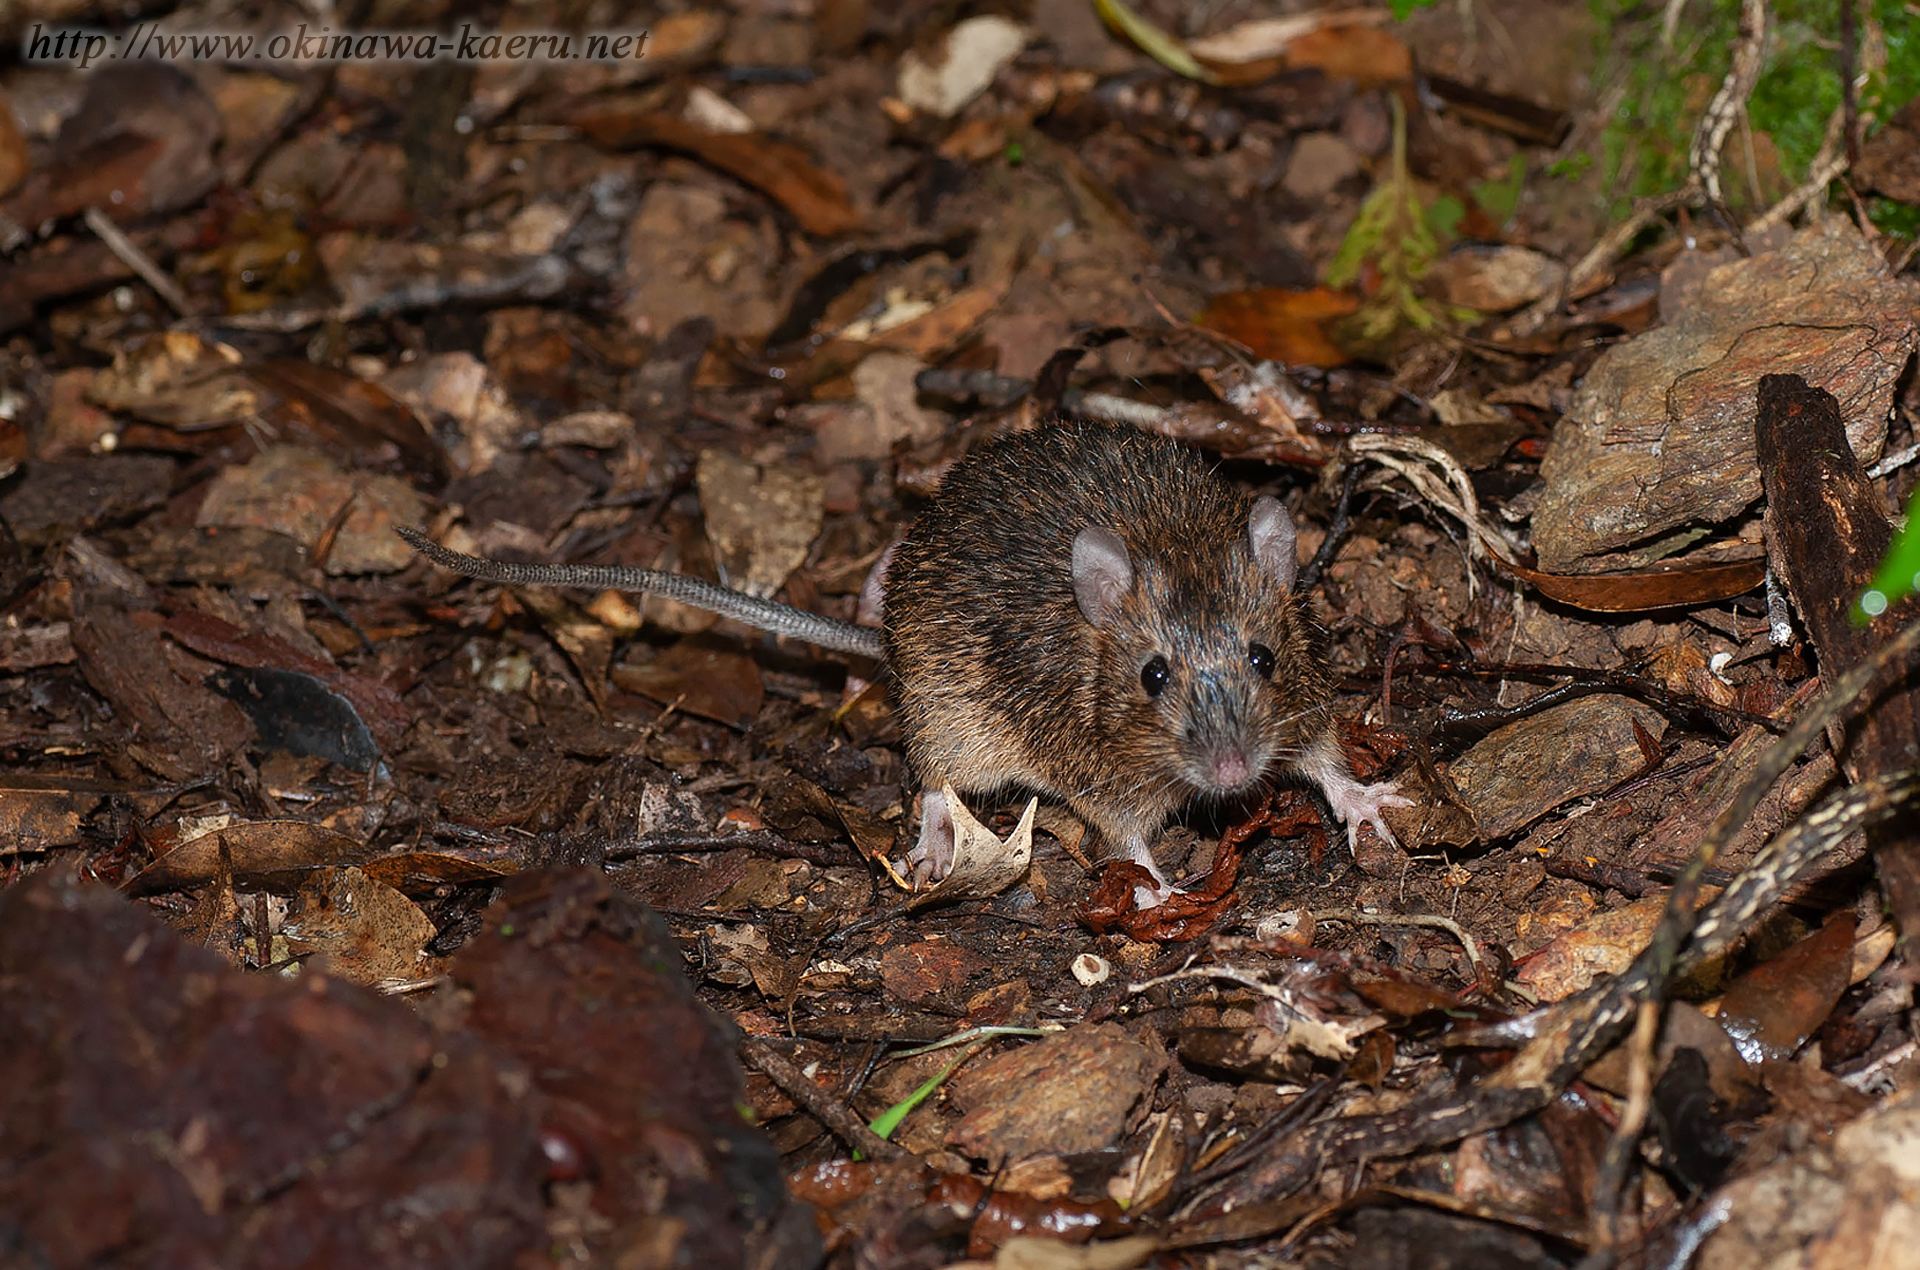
1086,611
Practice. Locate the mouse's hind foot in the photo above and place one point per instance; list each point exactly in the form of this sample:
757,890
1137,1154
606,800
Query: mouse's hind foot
931,858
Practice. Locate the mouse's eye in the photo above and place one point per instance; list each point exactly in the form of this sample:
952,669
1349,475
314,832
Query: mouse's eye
1260,657
1154,675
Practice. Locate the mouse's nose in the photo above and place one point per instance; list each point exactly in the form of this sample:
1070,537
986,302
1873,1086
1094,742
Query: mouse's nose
1229,769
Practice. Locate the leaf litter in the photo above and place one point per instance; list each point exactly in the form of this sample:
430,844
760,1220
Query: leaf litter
565,925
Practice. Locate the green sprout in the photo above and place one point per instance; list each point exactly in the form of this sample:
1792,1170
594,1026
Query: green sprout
1898,575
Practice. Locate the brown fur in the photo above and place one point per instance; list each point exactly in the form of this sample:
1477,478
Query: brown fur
1000,679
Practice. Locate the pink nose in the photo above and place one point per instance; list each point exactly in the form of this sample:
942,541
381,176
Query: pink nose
1230,769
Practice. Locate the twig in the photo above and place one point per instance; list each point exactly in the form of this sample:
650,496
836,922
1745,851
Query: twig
821,1105
1787,855
1565,1037
1811,189
1583,682
1336,531
1891,463
1623,1148
139,261
1354,917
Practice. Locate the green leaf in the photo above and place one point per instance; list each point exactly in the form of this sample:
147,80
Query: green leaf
1898,575
1154,42
887,1121
1501,199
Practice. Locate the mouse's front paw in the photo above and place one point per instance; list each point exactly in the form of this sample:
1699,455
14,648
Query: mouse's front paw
1358,804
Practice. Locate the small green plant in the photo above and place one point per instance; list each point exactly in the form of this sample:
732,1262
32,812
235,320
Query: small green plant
1571,168
1898,575
1501,199
1644,147
1401,240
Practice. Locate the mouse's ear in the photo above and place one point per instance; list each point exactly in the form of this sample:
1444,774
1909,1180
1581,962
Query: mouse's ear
1275,545
1102,574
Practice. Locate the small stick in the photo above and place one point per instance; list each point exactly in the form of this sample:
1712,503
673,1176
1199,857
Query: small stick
139,261
821,1105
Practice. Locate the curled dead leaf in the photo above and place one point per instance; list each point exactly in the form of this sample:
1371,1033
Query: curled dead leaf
983,863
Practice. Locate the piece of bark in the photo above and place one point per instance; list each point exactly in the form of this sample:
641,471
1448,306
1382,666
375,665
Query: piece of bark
1533,765
1827,528
1654,448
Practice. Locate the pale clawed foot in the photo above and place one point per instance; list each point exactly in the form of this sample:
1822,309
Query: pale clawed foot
932,857
1326,766
1358,804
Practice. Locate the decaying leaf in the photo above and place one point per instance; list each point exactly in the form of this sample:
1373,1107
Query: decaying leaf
299,493
968,58
256,847
698,677
816,197
1282,324
761,520
983,864
368,931
38,814
177,379
1338,41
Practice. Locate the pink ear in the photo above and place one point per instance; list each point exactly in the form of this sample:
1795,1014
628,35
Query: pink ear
1102,574
1275,545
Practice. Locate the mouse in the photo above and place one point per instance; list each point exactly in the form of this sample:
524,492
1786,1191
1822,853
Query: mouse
1083,610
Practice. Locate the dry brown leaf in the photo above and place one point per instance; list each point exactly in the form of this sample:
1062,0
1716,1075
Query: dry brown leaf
1678,584
783,171
1282,325
761,520
299,493
368,931
694,676
177,379
1258,49
256,847
35,815
983,863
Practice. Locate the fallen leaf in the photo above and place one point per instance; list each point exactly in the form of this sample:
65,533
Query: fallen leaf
368,931
1162,47
1772,1009
37,814
815,197
1257,50
1282,325
361,417
256,847
1370,56
299,492
761,520
15,162
693,676
177,379
983,864
1679,584
961,67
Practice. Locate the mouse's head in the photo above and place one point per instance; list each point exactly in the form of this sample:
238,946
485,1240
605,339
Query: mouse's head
1209,674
